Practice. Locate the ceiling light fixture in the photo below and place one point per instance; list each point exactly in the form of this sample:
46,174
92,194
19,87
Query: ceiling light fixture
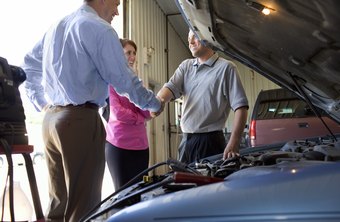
266,11
259,7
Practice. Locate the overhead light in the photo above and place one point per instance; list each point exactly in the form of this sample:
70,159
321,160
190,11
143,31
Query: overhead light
266,11
259,7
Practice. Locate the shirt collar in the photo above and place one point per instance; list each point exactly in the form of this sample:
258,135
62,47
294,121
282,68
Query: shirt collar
88,8
210,62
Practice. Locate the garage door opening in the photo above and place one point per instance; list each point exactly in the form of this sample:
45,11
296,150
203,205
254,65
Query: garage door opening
22,24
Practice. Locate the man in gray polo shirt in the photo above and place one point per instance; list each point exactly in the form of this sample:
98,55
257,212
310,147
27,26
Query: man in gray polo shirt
210,87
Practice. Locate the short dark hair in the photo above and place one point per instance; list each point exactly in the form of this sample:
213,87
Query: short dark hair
125,42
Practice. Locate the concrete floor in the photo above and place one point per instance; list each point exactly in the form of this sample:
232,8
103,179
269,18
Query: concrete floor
33,126
40,170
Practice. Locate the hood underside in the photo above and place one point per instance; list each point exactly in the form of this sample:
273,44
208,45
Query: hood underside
296,45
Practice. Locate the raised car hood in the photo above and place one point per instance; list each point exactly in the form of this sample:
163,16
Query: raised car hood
298,43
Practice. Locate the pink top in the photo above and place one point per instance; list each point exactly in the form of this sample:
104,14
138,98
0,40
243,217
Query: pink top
126,127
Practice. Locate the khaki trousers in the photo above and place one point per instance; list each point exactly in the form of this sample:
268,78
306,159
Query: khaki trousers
74,140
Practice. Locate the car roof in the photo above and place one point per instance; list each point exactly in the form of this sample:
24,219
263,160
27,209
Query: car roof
276,94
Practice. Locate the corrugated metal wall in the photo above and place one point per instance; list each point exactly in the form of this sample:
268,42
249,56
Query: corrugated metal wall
253,83
160,51
147,26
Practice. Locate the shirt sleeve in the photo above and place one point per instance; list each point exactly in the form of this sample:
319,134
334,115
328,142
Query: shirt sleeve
145,114
32,66
176,82
113,67
237,95
123,113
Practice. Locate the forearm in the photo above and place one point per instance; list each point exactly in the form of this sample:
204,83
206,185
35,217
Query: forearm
238,126
232,148
165,94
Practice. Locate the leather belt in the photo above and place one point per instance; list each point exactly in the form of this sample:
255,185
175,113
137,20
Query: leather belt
206,133
87,105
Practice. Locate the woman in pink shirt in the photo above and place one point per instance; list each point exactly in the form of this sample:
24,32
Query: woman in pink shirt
127,147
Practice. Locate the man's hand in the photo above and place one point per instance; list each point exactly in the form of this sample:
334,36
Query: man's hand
230,152
155,114
44,109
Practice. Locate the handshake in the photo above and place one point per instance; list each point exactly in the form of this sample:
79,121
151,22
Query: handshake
155,114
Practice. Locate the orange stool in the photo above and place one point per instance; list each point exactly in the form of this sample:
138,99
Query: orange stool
25,150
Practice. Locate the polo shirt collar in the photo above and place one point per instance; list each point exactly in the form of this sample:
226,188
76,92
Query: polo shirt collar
209,62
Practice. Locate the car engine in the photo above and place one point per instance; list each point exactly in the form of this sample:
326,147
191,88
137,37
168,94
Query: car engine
214,169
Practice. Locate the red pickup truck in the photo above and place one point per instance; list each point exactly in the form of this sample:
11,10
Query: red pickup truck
279,116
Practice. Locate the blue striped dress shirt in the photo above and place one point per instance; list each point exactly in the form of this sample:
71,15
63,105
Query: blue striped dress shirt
76,61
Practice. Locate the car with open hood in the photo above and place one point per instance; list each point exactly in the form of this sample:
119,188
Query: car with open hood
295,44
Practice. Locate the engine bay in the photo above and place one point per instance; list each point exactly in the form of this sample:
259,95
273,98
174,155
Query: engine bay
211,170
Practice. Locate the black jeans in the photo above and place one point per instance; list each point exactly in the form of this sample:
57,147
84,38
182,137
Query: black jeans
196,146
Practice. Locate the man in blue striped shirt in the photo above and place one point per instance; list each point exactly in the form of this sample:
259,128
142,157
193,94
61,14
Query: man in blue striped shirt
68,74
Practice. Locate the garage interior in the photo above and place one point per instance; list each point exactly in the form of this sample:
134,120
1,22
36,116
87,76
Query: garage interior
160,32
159,26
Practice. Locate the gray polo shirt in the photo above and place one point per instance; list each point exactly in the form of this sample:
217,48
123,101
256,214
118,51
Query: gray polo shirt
209,91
